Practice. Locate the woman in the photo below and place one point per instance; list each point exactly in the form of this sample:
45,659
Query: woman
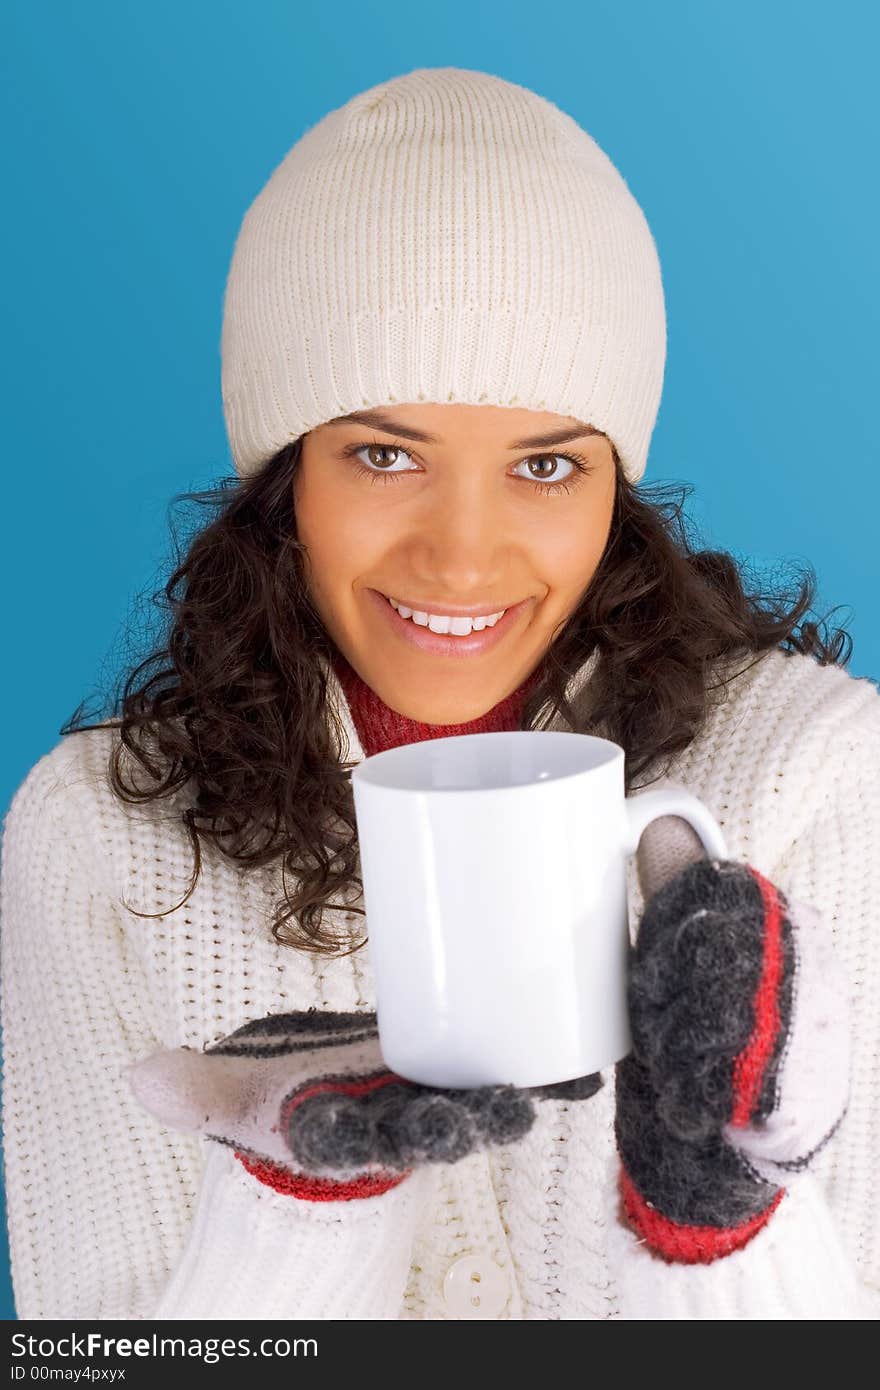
443,353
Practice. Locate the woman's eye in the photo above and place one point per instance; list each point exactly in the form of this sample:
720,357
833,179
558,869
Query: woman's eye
542,470
375,454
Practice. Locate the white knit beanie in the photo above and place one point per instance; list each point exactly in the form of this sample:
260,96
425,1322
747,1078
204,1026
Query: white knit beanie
444,236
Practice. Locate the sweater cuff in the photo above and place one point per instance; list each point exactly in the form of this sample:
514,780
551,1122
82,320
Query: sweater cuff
256,1253
794,1267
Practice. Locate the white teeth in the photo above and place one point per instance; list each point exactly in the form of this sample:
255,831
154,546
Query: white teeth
440,622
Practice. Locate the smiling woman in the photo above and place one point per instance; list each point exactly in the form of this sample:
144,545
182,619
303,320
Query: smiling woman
471,525
439,526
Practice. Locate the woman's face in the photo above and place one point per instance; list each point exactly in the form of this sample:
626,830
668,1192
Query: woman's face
443,506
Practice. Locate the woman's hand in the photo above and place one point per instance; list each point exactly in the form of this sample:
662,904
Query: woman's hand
739,1072
309,1107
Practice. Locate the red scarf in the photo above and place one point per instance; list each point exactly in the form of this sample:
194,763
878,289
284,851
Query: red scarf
380,727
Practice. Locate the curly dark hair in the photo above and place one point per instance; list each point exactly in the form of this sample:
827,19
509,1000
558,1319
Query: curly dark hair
237,699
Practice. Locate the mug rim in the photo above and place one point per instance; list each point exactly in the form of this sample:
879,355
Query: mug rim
424,748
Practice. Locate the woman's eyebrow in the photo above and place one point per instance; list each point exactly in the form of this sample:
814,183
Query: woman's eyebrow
379,420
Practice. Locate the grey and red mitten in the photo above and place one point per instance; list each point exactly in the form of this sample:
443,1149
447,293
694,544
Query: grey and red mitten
310,1109
739,1071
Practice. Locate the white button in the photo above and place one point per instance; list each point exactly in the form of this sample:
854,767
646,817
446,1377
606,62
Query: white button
475,1287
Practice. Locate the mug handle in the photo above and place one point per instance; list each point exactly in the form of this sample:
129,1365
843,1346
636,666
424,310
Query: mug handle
673,800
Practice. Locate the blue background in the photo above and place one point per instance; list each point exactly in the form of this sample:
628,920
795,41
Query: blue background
139,134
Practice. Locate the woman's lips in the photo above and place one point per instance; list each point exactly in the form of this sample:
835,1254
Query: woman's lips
440,643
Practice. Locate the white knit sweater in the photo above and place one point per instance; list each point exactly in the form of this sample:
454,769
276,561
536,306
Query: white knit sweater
108,1212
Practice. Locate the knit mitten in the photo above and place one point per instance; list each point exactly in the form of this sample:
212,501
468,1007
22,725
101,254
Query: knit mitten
739,1071
309,1107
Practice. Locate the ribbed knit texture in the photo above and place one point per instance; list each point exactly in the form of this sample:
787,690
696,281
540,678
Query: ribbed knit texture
444,236
102,1198
379,727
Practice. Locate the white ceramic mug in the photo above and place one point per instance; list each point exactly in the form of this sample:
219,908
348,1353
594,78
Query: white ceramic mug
494,881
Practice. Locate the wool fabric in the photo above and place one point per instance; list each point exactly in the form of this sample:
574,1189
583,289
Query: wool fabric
444,236
113,1215
380,727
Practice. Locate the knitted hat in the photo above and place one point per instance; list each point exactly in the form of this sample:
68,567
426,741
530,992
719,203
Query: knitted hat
444,236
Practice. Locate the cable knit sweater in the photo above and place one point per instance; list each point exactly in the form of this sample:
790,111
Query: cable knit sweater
107,1211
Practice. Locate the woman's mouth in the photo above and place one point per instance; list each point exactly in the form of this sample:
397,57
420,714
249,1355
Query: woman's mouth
447,644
